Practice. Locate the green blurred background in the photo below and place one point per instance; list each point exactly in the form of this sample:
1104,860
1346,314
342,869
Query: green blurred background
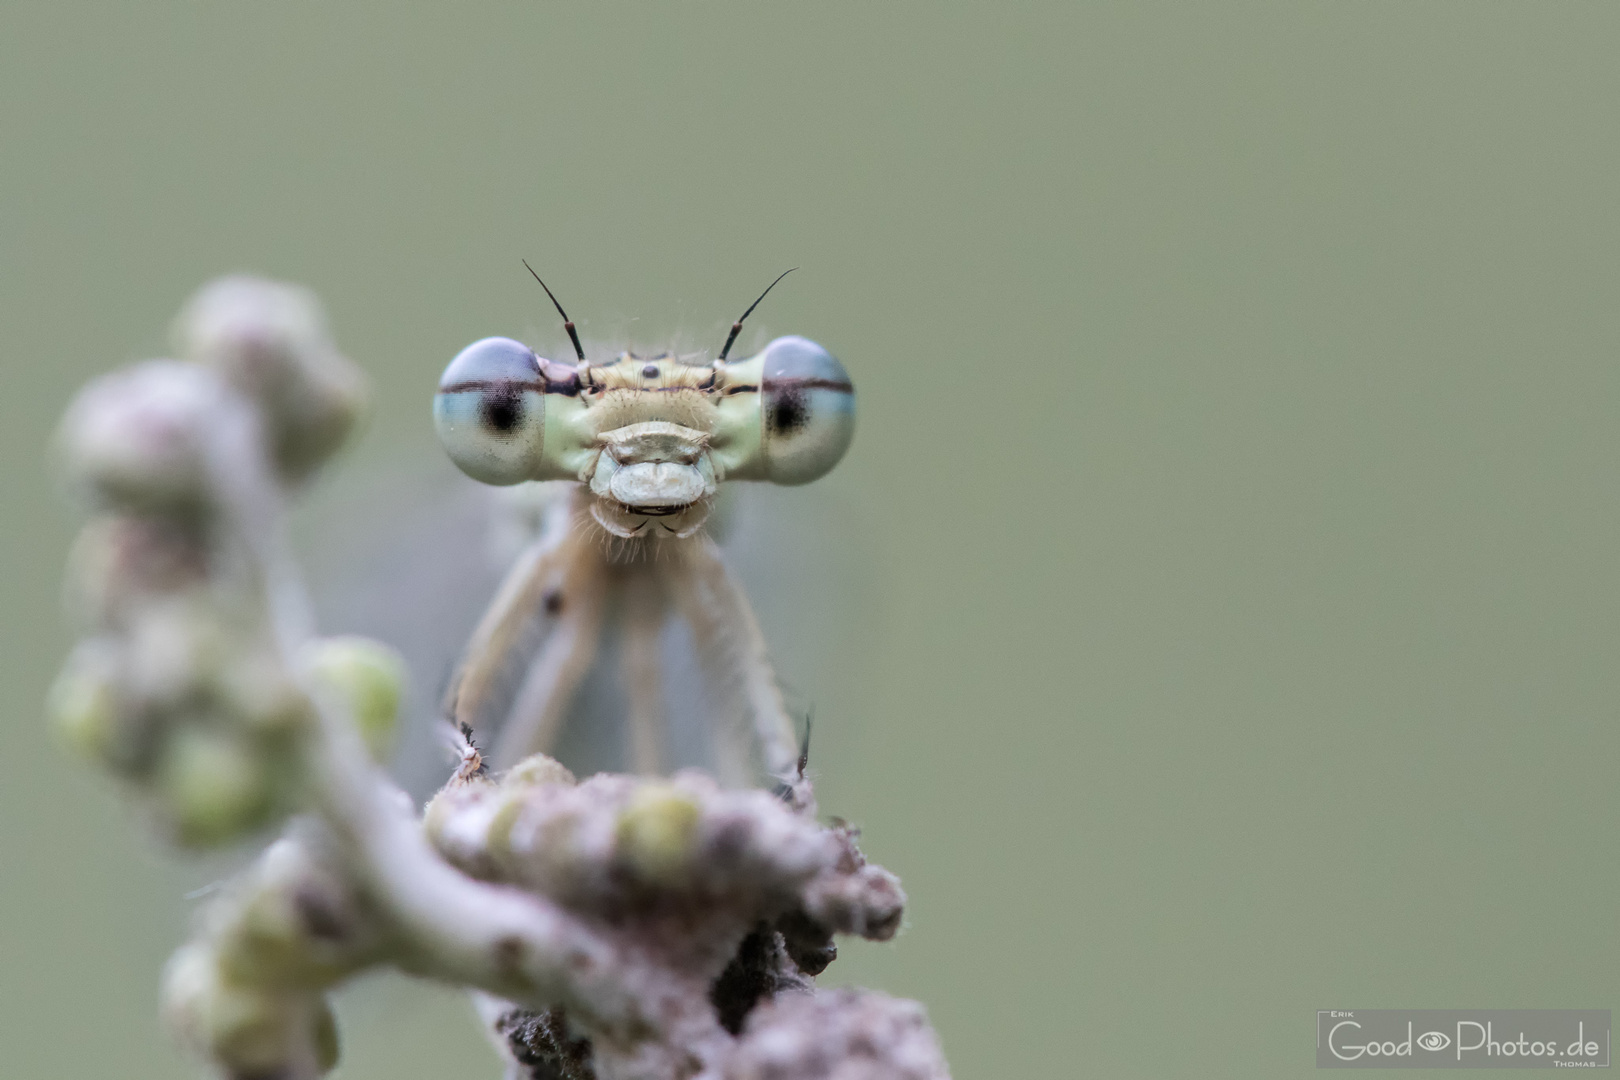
1233,491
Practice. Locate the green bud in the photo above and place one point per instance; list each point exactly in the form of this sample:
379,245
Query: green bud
216,784
249,1029
656,832
83,703
537,770
369,678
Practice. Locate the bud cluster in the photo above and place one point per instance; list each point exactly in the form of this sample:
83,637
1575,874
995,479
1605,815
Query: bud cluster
622,850
181,685
248,992
734,895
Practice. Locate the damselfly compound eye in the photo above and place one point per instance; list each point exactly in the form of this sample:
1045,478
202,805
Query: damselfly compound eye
808,410
490,411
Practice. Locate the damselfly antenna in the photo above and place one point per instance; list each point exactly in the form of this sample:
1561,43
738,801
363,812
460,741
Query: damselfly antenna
736,327
568,323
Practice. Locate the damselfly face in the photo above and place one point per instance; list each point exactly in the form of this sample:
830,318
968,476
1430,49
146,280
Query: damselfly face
652,437
648,440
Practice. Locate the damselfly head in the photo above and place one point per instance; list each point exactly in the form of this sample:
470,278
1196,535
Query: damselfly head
651,436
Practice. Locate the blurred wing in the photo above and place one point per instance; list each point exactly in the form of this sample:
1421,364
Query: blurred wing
731,650
415,558
529,652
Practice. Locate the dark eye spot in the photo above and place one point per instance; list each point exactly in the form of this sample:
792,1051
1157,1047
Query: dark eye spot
502,408
789,411
553,601
650,371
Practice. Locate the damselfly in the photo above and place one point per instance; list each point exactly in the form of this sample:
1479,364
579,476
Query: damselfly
645,442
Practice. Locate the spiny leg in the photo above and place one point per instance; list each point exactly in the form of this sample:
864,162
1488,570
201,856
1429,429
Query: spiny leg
477,697
728,707
537,713
732,649
644,611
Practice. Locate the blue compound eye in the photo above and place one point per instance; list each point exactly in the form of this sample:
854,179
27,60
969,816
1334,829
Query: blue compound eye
490,411
808,410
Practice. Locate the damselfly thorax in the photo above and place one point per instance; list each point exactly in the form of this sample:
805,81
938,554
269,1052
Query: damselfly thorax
646,442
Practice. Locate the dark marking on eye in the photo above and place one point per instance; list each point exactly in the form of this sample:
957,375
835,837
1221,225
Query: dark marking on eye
790,411
650,371
789,383
743,389
567,386
502,407
486,385
553,601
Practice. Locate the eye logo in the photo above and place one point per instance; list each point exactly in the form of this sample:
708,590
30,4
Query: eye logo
1434,1040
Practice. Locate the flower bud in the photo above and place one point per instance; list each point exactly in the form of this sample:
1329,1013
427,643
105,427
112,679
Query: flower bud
292,921
270,341
369,677
83,701
215,784
656,833
537,770
138,437
251,1030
